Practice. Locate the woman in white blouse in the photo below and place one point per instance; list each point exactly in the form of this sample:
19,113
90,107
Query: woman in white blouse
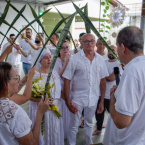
15,125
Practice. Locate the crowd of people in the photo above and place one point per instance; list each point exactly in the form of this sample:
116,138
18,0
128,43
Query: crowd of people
84,87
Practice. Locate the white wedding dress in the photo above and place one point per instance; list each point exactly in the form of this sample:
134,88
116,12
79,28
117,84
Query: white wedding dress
54,134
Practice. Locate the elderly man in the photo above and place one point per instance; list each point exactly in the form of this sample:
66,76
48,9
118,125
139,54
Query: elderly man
126,125
87,71
101,48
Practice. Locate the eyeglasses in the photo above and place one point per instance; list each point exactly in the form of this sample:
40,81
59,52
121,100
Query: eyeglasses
17,78
65,48
87,41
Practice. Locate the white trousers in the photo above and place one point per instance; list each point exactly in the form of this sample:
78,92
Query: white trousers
89,112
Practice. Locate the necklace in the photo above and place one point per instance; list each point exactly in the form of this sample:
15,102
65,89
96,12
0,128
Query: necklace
87,73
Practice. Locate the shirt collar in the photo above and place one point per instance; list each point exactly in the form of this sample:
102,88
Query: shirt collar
135,60
83,54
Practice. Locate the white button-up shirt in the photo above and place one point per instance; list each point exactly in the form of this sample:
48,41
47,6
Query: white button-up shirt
85,78
14,57
25,47
130,101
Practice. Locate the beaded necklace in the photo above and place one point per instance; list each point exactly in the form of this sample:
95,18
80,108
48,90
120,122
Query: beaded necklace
88,76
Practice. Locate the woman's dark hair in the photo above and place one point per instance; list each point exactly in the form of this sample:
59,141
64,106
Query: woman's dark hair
5,75
65,41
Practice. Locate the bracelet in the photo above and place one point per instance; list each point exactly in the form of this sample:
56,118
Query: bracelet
29,78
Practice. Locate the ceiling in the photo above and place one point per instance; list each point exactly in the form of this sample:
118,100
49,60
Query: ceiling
43,2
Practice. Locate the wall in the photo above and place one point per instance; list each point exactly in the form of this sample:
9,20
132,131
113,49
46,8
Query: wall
21,22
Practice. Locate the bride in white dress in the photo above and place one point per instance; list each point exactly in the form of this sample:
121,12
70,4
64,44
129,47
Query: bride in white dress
54,134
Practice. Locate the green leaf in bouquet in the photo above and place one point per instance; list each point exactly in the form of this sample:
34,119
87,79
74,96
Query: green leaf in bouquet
103,25
87,20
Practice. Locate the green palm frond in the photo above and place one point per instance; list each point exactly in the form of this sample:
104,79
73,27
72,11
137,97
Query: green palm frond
59,45
5,12
86,13
92,27
13,22
30,24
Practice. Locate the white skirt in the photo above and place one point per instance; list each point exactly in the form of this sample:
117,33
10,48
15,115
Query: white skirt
54,133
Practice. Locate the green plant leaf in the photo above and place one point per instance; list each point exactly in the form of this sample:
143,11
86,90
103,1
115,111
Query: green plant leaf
107,7
101,31
105,38
65,23
101,20
105,11
13,22
87,20
4,13
107,21
22,16
59,45
30,24
106,31
104,15
38,21
108,27
103,3
54,30
86,13
103,25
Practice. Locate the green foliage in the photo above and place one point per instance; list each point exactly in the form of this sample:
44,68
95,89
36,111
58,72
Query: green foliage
108,27
101,31
104,15
102,3
107,7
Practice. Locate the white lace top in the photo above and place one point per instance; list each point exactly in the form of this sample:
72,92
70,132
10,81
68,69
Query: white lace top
14,122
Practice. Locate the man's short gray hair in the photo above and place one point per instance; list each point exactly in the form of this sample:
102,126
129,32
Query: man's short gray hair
132,38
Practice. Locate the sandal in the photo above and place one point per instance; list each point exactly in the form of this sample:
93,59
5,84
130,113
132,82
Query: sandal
82,124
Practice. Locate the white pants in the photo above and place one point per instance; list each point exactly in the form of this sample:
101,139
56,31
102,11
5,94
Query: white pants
89,112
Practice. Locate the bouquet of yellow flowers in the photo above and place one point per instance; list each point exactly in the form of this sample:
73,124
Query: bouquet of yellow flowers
38,88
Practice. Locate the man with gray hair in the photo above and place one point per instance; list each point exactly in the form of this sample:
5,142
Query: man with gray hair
126,125
87,71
